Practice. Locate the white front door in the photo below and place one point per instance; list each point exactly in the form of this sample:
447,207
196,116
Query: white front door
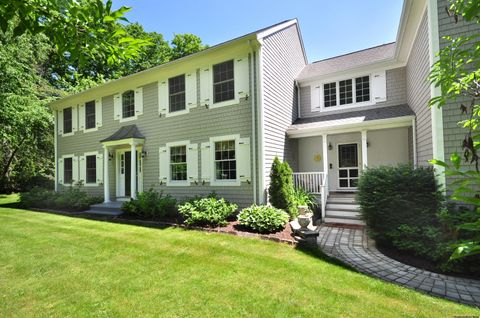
123,158
348,169
121,173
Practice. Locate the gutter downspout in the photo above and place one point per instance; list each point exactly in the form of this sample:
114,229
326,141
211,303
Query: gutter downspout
55,141
253,94
298,99
261,116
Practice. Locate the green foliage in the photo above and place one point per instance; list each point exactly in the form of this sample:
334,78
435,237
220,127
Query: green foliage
456,73
207,211
263,218
151,204
281,191
72,199
392,196
302,197
186,44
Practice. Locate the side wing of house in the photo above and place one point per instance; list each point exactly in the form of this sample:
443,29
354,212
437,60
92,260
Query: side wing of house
282,59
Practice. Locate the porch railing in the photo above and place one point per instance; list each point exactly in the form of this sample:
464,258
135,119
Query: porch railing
313,182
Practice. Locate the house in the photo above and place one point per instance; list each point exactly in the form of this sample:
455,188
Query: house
215,120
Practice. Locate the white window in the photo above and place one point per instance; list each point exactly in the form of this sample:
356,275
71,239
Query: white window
362,89
177,95
330,94
178,163
225,161
128,105
90,115
91,168
223,82
67,121
68,170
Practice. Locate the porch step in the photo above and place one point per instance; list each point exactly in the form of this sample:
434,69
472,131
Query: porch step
344,220
340,213
341,200
337,194
110,208
342,206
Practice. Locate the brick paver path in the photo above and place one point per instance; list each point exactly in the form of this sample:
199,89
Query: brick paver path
352,246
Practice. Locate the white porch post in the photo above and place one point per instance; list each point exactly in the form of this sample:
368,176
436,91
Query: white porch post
364,149
325,190
414,142
325,154
106,185
133,171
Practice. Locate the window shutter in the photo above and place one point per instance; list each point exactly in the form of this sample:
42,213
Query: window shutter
139,100
60,171
60,123
74,118
162,97
81,117
117,106
379,86
192,162
99,168
206,161
241,77
243,159
163,161
206,88
315,92
74,169
191,89
83,169
98,112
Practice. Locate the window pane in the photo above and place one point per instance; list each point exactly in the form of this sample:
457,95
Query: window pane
176,90
223,82
67,170
128,104
225,163
347,155
91,165
90,115
362,89
346,92
67,120
344,183
178,163
330,94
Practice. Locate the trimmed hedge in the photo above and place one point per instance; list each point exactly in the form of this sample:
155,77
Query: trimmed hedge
263,218
151,204
281,190
207,211
73,199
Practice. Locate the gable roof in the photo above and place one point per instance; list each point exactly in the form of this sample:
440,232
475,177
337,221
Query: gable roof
125,132
347,61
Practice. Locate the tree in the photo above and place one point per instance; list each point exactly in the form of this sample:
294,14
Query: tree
186,44
457,73
281,190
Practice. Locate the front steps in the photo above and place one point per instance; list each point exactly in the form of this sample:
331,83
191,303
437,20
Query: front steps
342,208
111,208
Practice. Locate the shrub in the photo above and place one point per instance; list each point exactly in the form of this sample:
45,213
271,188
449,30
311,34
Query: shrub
206,211
263,218
72,199
302,197
281,191
151,204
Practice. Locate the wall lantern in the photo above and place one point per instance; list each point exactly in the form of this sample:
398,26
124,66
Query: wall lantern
330,147
110,155
144,153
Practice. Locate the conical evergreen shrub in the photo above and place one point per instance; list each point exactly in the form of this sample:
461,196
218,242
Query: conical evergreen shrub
281,191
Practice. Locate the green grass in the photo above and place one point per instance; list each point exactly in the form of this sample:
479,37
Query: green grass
57,266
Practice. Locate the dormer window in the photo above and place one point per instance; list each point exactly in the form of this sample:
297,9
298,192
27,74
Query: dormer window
342,93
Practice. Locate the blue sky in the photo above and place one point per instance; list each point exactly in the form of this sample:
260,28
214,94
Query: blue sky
329,28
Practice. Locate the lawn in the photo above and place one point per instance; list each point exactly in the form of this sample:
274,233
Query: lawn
57,266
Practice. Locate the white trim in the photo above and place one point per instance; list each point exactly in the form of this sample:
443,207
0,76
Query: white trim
96,183
252,60
106,181
123,142
359,166
405,121
261,130
275,29
74,173
135,116
55,145
213,181
438,148
177,183
414,142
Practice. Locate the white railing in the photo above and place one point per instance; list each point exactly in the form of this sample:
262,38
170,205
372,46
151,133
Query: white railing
313,182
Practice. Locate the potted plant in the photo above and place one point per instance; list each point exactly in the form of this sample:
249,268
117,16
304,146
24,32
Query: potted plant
304,216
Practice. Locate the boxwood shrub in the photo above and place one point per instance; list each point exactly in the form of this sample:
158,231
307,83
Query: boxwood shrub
263,218
72,199
151,204
209,211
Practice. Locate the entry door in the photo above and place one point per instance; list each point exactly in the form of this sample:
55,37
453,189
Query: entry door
128,173
347,166
124,173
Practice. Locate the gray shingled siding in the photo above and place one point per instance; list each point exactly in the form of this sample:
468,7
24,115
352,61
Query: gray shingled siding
197,126
282,61
453,134
396,95
418,92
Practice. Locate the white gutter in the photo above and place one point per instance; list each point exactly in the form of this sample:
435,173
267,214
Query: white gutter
261,116
253,97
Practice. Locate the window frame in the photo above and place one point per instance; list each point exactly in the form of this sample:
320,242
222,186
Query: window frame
232,61
90,154
179,183
134,116
230,182
71,132
169,112
71,182
95,127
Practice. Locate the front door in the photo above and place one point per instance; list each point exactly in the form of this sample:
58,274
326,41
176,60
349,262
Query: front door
128,174
347,166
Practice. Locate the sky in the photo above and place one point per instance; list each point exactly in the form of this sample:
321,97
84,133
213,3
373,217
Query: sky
329,28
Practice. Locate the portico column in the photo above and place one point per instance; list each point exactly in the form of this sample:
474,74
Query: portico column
133,171
106,185
325,153
364,149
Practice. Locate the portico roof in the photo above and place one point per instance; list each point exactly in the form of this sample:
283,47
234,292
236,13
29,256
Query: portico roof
374,118
125,132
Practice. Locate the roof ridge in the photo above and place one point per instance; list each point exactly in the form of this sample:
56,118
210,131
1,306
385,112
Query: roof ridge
358,51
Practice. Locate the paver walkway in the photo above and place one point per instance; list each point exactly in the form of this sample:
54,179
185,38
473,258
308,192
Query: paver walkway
352,246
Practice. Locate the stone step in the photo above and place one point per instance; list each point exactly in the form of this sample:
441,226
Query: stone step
100,212
343,207
343,194
344,220
339,213
341,200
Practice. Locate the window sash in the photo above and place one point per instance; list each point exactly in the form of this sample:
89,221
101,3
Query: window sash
67,170
90,115
178,163
225,160
176,93
128,104
362,89
223,82
67,120
346,92
91,167
330,94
